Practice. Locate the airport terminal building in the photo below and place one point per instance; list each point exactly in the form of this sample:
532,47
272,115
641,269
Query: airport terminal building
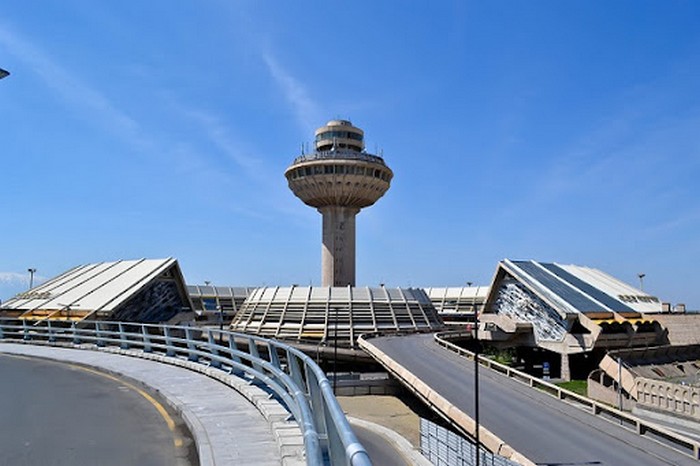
567,310
561,313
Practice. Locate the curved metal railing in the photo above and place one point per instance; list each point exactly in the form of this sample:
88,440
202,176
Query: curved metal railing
339,154
294,377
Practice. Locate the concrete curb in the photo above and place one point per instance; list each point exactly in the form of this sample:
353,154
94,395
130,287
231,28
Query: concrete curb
290,440
410,453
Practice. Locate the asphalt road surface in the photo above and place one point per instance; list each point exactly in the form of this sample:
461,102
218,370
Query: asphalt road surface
380,451
545,430
58,414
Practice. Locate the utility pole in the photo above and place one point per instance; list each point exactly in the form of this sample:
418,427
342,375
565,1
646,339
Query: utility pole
335,353
476,386
619,383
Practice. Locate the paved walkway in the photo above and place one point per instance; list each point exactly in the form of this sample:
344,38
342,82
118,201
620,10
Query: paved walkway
227,426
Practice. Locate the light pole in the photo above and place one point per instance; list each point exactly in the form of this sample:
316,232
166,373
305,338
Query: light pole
476,383
619,384
335,352
641,280
31,271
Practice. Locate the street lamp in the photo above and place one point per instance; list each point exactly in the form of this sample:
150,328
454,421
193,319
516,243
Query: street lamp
4,73
31,271
641,280
335,353
476,382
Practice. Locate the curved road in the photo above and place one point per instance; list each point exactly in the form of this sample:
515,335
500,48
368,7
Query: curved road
380,451
64,414
545,430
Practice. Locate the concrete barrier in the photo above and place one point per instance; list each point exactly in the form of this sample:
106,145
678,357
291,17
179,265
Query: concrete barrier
683,400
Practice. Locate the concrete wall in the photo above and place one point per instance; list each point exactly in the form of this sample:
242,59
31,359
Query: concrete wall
683,329
683,400
602,388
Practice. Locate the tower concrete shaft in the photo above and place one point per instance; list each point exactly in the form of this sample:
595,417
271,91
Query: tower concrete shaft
339,179
338,248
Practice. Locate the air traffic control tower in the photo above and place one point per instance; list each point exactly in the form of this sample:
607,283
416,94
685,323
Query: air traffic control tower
339,179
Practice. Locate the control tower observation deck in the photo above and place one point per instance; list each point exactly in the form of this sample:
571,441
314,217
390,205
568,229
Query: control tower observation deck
339,179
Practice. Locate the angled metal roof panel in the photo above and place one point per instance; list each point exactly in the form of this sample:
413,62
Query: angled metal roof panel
90,287
592,291
634,298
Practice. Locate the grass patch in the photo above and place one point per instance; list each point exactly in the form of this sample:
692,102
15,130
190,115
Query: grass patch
504,356
579,387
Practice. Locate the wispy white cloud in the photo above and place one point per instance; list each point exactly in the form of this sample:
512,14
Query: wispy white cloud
223,138
14,278
296,93
71,88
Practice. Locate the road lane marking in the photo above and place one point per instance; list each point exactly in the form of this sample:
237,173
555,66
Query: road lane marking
177,440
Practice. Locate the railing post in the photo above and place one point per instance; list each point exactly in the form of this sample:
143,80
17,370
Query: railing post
641,428
52,332
25,331
122,337
274,357
317,406
98,333
169,349
295,372
336,452
76,337
191,356
147,348
233,347
253,350
213,349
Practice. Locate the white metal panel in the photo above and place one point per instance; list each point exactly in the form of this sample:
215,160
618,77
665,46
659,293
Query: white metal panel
70,287
75,291
123,286
617,289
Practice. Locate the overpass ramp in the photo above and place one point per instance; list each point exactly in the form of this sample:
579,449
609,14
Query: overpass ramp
537,427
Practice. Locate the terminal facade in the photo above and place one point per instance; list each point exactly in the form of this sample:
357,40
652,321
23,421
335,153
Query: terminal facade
566,313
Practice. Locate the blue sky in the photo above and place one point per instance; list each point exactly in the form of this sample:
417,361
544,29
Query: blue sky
565,131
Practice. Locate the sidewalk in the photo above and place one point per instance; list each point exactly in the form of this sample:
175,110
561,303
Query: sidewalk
230,426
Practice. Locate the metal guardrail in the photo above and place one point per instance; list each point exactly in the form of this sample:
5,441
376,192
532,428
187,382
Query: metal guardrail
640,426
292,375
339,154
